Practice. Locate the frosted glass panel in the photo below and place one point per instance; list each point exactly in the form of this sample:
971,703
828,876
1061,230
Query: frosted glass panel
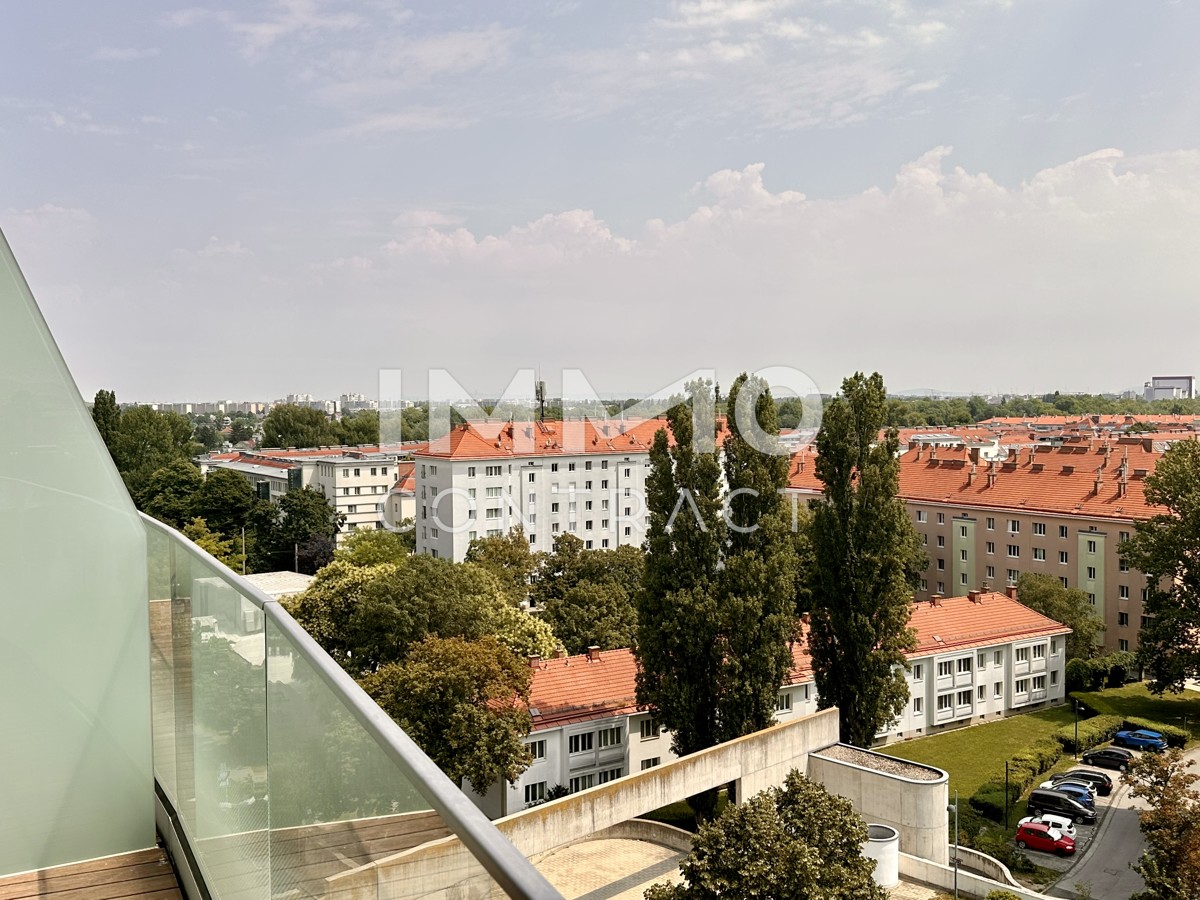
75,771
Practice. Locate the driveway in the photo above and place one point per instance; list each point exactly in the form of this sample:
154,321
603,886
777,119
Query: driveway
1106,864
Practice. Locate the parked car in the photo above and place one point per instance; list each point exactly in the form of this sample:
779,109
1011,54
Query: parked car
1063,824
1043,801
1039,836
1142,739
1099,780
1108,758
1080,792
1063,778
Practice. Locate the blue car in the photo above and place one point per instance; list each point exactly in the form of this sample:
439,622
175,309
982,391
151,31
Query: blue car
1078,793
1141,739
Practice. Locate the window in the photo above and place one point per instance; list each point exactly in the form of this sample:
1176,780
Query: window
1091,546
998,689
991,571
982,661
626,473
579,743
964,698
941,587
941,540
553,507
1013,575
604,484
921,517
587,485
1091,598
962,530
493,470
941,518
537,749
1122,536
1014,551
962,579
1062,531
991,524
941,565
981,693
783,702
1039,683
470,471
535,793
945,701
611,775
964,665
1039,553
1124,566
587,524
587,504
493,512
945,668
1022,654
432,471
924,585
918,703
604,463
651,762
1122,644
532,537
532,477
925,540
1123,619
553,467
1063,557
1124,591
493,492
588,465
1053,645
1014,526
472,535
610,737
1023,686
570,467
918,671
650,729
997,657
1063,581
1054,676
1091,573
1039,651
991,548
1039,528
582,783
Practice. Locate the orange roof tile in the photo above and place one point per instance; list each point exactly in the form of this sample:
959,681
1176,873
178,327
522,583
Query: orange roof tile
959,623
1045,479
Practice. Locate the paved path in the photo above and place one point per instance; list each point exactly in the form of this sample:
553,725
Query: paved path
609,869
1116,845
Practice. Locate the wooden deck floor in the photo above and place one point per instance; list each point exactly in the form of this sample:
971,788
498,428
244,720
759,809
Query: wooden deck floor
146,875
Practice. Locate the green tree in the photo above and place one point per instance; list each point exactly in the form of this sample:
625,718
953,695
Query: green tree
287,425
1170,864
791,843
147,441
107,416
465,703
360,428
508,558
240,431
302,534
600,615
1164,548
1046,594
866,563
207,436
198,532
368,548
224,501
170,493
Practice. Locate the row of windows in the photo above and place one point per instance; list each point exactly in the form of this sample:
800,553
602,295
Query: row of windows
376,471
1014,527
606,737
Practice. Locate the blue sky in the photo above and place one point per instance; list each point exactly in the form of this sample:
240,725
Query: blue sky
247,200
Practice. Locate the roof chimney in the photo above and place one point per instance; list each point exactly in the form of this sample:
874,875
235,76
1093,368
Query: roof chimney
560,653
1099,480
593,653
971,472
534,660
973,596
1011,591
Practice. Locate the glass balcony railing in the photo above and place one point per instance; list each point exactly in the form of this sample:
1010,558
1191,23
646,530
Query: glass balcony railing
280,771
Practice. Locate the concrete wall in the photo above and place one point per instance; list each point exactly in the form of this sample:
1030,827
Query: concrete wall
917,809
942,876
444,868
985,865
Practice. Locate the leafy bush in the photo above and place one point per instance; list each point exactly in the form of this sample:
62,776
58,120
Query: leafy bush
1176,737
999,845
1093,731
1024,769
1110,670
1002,895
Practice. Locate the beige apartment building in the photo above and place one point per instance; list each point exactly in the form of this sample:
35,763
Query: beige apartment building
1062,511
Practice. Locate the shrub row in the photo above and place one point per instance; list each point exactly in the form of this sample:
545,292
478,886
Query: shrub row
1176,737
1093,731
1110,670
1023,769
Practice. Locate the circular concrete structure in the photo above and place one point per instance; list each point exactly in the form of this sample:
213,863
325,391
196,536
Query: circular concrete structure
883,846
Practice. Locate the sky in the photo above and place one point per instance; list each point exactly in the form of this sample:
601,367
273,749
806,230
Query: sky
247,200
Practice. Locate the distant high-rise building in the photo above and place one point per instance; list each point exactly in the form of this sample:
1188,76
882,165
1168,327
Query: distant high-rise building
1171,387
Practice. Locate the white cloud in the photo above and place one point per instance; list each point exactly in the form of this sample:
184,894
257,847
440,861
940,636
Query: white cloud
285,18
124,54
413,119
74,121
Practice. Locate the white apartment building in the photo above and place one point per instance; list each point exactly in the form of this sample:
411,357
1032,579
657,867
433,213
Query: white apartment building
978,658
548,478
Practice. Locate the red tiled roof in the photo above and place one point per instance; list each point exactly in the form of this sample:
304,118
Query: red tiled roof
571,690
405,479
498,440
1043,479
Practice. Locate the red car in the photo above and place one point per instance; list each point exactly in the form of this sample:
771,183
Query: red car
1039,836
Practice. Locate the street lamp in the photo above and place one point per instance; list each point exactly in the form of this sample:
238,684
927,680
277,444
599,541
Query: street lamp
953,807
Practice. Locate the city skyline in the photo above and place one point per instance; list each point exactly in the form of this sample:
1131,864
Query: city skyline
993,196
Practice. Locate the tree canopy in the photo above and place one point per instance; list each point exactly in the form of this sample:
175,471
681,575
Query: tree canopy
791,843
1170,823
1046,594
866,562
1165,547
464,702
508,558
288,425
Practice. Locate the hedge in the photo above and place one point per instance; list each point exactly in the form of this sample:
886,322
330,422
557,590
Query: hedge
1093,731
1023,769
1176,737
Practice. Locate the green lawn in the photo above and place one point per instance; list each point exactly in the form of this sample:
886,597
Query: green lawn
973,755
1135,701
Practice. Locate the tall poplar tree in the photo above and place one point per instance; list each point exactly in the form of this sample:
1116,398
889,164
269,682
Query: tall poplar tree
866,563
716,609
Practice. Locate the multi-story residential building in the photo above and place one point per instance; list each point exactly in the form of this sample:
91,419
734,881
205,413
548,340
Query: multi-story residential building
1060,510
977,658
582,477
1171,387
